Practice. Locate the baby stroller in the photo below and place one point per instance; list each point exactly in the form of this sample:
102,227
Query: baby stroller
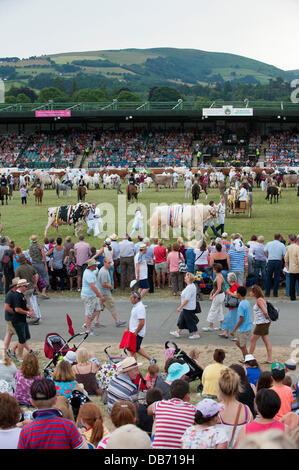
109,369
195,372
56,346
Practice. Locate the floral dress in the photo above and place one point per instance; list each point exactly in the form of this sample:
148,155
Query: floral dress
196,437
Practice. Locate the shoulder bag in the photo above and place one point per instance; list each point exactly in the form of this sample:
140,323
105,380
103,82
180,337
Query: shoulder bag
230,444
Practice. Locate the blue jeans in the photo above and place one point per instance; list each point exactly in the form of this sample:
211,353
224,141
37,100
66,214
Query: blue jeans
260,267
273,268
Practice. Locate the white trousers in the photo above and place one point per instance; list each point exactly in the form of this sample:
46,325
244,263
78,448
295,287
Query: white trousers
35,306
216,310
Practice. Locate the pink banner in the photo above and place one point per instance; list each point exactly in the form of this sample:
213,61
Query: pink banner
56,113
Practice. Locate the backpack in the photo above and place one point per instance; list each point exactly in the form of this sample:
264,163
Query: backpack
71,269
272,311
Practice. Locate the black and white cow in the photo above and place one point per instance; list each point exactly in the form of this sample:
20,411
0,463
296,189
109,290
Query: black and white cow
68,215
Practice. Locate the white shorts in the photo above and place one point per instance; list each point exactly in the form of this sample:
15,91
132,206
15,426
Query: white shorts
216,309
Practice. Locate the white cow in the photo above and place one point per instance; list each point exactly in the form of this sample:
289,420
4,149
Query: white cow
190,217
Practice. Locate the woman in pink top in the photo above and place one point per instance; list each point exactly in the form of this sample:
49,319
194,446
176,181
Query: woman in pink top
160,263
268,404
177,278
28,373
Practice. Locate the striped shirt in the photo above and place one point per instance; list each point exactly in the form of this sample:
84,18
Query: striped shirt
49,430
172,418
121,387
236,260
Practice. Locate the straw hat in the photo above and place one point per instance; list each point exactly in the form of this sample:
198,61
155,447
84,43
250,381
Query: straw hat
33,238
22,282
113,237
128,364
92,262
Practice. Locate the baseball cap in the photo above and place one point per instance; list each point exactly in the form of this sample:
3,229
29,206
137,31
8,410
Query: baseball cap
176,371
277,366
208,407
44,387
290,364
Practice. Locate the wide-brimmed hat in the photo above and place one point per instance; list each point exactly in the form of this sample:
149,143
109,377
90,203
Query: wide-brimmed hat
70,357
290,364
128,364
33,238
113,237
249,357
192,244
129,436
176,371
22,282
142,246
92,262
14,282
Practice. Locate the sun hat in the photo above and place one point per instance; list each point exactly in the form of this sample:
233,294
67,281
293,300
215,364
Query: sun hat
33,238
277,366
92,262
290,364
142,246
70,357
113,237
208,407
129,436
176,371
224,235
22,282
249,357
14,282
108,241
128,364
44,387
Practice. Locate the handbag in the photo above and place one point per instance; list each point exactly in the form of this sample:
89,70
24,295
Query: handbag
198,307
182,266
231,302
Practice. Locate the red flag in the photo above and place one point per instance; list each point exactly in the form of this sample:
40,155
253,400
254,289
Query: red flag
70,324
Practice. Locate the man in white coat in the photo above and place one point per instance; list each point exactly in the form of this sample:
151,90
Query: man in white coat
221,217
94,221
138,222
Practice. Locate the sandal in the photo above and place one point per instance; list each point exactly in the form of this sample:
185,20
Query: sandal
223,336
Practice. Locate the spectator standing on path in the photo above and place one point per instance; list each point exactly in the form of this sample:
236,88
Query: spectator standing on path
217,296
122,386
237,259
141,270
115,247
39,262
187,319
137,324
4,245
48,423
172,417
82,253
126,256
244,325
160,264
292,264
260,261
150,259
105,288
172,263
91,295
274,252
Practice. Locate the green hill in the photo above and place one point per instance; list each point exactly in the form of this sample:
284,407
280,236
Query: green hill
138,69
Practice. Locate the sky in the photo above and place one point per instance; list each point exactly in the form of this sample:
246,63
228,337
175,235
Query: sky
265,30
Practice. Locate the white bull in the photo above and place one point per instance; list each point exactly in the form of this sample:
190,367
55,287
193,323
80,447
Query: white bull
191,218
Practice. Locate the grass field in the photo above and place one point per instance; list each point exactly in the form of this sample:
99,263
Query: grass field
21,222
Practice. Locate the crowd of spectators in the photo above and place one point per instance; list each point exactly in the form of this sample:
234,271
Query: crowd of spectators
282,148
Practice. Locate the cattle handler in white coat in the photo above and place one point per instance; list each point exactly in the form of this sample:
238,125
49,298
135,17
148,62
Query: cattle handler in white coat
138,222
94,221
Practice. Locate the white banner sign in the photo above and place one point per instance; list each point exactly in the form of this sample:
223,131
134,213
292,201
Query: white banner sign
227,111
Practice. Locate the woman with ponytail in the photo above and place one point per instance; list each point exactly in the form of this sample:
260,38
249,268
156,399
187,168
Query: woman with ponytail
90,421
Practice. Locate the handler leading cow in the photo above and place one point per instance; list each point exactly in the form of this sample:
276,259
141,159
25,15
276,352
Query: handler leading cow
68,215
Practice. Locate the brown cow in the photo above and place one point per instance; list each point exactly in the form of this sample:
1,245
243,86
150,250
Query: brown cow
164,180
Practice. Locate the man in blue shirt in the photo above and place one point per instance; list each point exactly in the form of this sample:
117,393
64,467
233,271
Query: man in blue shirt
244,324
91,295
274,252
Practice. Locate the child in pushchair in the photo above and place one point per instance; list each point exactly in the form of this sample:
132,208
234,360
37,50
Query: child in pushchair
195,372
